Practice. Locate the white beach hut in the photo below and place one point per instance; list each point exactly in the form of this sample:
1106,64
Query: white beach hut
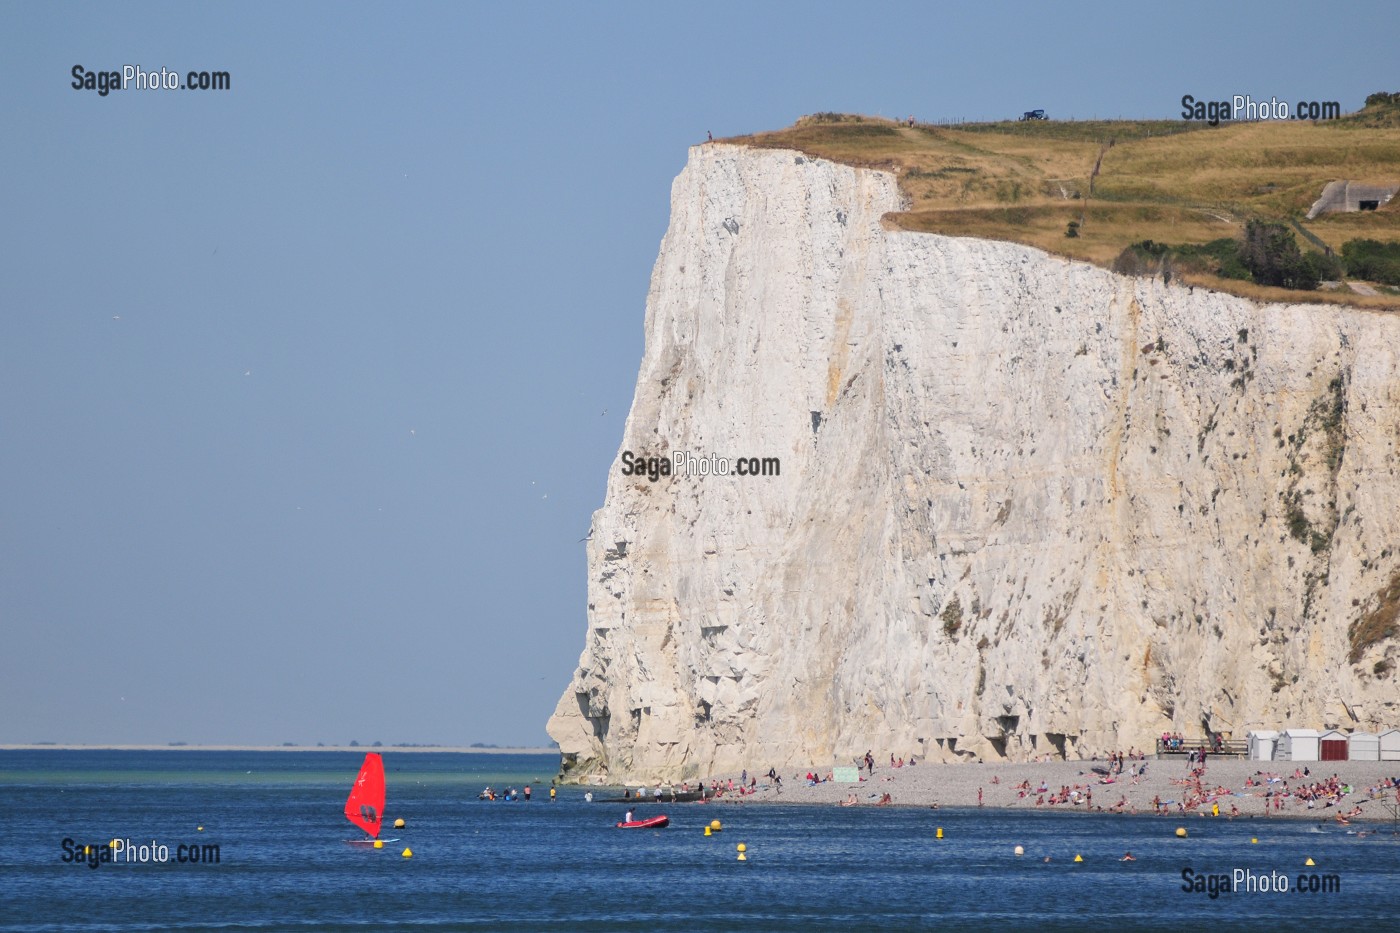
1297,745
1364,746
1261,744
1390,745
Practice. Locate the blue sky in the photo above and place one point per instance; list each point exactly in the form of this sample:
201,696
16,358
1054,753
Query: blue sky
302,384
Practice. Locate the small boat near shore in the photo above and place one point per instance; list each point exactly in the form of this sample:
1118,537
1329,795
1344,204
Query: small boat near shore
659,821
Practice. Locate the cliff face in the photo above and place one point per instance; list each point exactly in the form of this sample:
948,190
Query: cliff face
1025,505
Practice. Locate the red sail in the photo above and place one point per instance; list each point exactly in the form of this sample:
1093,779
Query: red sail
365,806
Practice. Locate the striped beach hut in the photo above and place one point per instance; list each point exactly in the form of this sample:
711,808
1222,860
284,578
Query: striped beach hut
1390,745
1332,745
1297,745
1363,746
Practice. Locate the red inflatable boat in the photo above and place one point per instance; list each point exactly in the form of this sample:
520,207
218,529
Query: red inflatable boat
655,822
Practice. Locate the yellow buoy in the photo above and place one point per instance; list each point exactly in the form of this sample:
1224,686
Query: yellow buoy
707,830
199,829
939,834
1309,862
1078,857
1019,850
714,824
408,853
1181,832
742,849
379,843
1253,840
398,824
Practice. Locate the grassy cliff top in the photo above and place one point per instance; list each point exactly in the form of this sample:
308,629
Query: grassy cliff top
1171,181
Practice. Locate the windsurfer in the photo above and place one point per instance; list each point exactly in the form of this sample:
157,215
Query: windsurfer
366,800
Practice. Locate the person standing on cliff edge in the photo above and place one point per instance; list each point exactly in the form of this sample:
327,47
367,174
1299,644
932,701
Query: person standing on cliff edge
709,137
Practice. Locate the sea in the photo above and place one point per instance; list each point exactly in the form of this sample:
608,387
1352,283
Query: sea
266,847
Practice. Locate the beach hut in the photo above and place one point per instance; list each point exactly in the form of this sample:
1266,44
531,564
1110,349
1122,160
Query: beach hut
1261,744
1297,745
1390,745
1364,746
1332,746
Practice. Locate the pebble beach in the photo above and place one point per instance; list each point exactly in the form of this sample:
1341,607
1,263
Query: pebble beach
1240,788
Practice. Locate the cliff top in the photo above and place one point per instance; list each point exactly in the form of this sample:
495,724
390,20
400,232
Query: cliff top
1180,184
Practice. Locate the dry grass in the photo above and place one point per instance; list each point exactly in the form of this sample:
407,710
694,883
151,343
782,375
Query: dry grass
1267,293
1170,181
1378,624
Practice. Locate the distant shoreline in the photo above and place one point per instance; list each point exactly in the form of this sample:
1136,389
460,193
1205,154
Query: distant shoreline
456,750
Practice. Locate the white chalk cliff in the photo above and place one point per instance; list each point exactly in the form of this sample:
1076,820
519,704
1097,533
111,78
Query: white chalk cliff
1026,505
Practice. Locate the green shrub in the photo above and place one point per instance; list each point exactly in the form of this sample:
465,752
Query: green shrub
1372,260
1322,267
1151,248
1270,253
1220,256
952,616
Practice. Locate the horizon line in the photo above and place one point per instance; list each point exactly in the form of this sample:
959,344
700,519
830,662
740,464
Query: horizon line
193,747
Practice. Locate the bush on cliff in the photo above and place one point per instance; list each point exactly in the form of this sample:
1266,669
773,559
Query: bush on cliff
1270,252
1372,260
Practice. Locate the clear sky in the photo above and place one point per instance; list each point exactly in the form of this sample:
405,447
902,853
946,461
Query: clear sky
308,388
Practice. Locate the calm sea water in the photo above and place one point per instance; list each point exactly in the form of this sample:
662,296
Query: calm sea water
285,864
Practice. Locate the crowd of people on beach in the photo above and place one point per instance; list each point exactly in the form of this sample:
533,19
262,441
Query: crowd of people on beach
1324,794
1197,795
747,785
